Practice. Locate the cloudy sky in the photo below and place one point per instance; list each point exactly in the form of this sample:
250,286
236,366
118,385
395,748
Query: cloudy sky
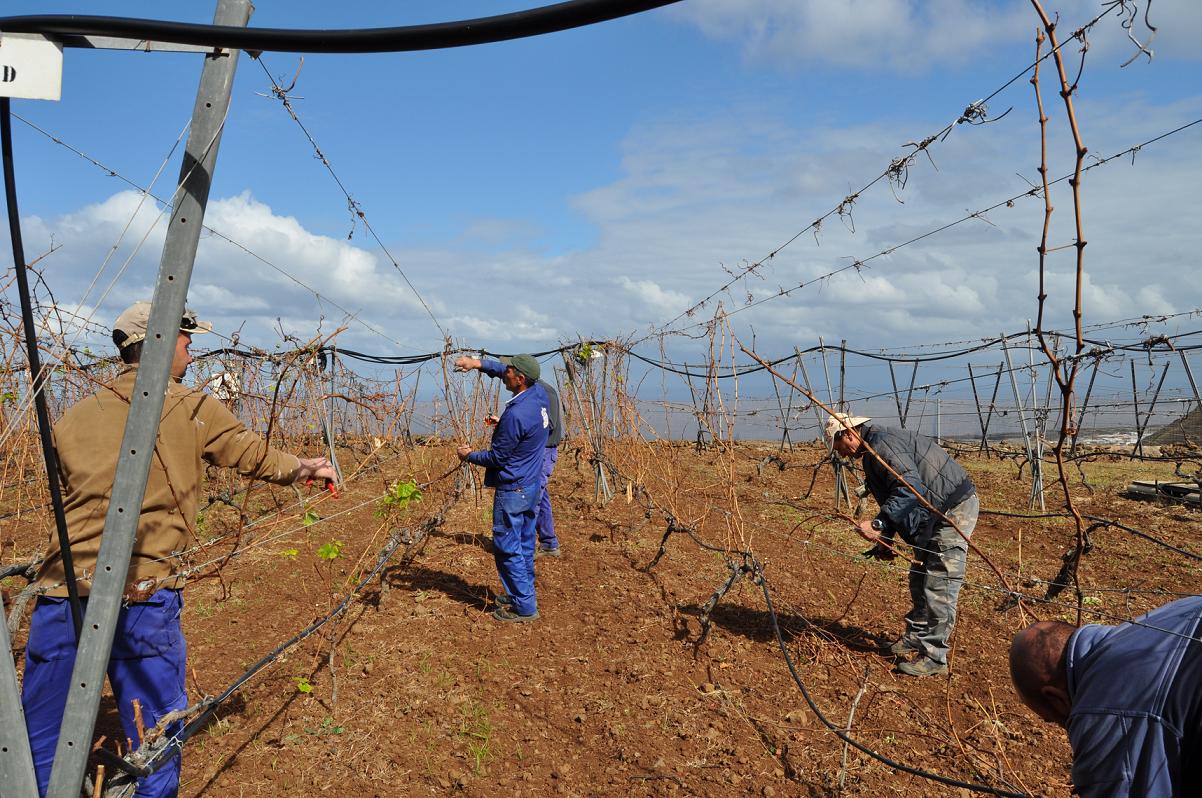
599,182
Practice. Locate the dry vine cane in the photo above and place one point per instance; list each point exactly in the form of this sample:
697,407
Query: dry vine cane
1064,381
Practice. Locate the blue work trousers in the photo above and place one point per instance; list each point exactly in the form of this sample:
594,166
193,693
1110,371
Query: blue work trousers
147,663
546,521
513,521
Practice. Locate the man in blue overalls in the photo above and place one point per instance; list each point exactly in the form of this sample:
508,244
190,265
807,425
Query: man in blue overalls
548,542
513,466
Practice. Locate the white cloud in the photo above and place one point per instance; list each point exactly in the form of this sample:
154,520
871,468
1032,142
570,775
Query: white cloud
517,327
903,35
914,36
660,301
697,199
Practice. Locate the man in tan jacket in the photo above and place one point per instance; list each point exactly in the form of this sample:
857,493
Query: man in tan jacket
148,655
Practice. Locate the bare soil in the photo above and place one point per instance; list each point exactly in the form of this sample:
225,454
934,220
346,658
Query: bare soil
612,692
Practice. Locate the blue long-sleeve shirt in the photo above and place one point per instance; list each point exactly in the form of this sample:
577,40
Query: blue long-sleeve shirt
515,459
1135,722
495,368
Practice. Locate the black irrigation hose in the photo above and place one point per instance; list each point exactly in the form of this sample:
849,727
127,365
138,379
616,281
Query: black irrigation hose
842,735
462,33
385,360
37,374
684,369
28,570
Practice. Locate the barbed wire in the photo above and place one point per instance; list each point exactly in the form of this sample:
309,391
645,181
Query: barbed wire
355,207
1133,321
896,173
321,298
859,265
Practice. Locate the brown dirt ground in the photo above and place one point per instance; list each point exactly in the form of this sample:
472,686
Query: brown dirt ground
609,693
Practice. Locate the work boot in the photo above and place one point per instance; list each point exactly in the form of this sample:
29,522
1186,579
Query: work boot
546,551
503,600
506,613
922,666
903,646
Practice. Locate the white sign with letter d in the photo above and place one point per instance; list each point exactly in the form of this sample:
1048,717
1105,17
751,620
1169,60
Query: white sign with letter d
31,67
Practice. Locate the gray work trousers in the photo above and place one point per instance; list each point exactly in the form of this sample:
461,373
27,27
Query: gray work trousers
935,581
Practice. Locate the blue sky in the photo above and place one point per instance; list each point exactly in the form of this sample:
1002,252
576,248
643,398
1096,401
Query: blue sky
597,182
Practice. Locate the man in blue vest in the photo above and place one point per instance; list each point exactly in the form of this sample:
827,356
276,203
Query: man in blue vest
513,465
1129,697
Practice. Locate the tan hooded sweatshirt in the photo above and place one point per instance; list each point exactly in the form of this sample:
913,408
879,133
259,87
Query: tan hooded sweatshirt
195,429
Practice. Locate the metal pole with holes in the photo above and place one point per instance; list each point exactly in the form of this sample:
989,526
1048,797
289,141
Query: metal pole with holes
146,405
16,760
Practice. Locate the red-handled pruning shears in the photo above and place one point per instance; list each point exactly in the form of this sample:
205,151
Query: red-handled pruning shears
330,486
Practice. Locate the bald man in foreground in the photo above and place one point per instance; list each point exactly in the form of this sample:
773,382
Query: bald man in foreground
1129,696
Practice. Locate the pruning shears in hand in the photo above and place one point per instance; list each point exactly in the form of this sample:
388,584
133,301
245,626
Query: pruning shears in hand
882,549
880,552
329,485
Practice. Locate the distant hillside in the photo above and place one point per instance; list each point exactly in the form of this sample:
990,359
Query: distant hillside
1185,430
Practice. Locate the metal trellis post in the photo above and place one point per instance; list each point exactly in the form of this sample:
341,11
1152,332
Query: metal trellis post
841,491
972,380
1139,449
909,394
1084,403
1022,421
896,396
16,759
1037,429
1190,374
784,416
826,375
1142,428
146,405
997,384
842,374
329,423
